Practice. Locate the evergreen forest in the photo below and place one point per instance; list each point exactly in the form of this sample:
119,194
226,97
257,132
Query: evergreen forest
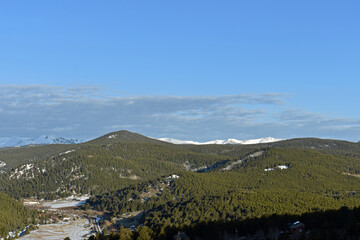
236,190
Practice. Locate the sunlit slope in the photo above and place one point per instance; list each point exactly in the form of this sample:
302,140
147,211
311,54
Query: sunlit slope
100,168
15,156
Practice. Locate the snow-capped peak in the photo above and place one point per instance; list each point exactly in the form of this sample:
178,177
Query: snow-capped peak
40,140
221,142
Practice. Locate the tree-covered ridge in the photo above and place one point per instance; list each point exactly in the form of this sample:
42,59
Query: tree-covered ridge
13,215
123,136
15,156
96,169
312,182
329,146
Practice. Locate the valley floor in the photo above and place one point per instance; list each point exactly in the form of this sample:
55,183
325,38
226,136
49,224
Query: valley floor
67,220
75,230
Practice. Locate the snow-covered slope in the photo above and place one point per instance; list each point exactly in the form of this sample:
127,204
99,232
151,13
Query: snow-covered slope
228,141
43,139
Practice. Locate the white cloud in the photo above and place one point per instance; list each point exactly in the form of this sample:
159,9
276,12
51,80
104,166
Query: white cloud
85,112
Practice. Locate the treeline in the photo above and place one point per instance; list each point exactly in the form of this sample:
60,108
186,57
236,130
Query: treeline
13,215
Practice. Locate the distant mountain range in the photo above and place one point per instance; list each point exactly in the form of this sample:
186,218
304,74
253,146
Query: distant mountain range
45,139
41,140
223,142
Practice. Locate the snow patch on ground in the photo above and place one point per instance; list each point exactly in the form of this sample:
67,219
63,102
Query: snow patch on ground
71,201
28,166
269,169
232,165
172,177
112,136
75,230
2,164
282,167
22,170
70,151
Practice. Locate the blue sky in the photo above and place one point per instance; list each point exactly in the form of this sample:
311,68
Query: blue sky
185,69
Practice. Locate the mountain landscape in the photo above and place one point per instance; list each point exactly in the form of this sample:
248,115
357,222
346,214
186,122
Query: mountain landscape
196,189
45,140
40,140
179,120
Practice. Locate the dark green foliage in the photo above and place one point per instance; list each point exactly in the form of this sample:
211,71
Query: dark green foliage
13,215
143,233
329,146
121,168
235,151
123,137
14,157
97,169
331,224
313,182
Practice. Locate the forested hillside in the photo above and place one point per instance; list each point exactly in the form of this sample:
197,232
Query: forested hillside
15,156
95,169
181,187
330,146
120,158
13,215
309,182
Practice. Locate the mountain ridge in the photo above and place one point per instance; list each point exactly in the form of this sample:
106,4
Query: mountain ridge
224,142
121,135
40,140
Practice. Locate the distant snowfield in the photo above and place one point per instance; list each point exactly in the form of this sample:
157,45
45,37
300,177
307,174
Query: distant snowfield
75,230
222,142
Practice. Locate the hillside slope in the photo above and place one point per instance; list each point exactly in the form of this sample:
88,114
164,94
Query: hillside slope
95,169
279,181
13,215
13,157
